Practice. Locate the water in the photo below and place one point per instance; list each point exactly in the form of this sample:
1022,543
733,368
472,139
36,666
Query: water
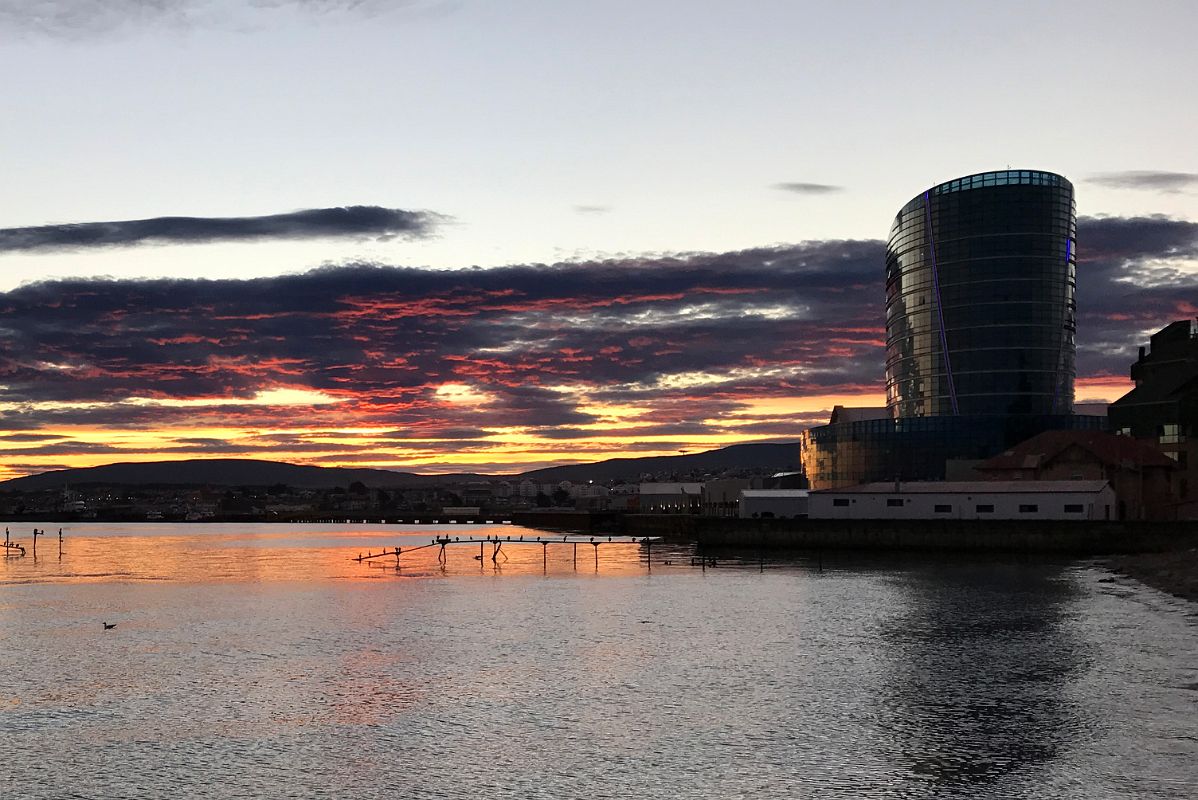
260,661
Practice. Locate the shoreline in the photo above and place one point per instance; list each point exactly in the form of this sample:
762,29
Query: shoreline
1174,572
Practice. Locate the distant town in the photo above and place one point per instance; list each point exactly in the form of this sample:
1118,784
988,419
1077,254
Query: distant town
665,492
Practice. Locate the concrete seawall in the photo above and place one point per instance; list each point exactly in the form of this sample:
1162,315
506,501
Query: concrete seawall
1011,536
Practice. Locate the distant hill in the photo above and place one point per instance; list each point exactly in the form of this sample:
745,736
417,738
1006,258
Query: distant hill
770,457
227,472
252,472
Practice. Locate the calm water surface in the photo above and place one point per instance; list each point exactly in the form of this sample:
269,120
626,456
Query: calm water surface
261,661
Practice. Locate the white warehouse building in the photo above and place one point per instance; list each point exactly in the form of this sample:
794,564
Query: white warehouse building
776,503
1027,500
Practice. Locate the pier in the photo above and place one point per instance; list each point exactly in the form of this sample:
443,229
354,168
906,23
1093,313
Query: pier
497,544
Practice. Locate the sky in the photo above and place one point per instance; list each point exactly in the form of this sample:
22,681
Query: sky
475,236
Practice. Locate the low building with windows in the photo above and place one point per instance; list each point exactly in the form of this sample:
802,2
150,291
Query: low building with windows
979,500
773,503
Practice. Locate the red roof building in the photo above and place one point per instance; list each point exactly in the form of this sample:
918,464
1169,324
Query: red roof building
1141,475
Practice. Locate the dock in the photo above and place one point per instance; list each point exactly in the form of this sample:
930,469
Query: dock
497,544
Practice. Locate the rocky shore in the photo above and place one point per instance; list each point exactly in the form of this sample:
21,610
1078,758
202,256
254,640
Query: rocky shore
1174,572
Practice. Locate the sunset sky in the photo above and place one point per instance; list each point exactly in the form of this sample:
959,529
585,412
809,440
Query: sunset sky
494,236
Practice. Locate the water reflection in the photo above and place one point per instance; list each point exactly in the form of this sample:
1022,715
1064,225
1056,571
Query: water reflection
978,662
264,552
251,658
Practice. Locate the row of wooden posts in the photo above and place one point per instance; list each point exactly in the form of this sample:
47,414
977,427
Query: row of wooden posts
17,549
497,543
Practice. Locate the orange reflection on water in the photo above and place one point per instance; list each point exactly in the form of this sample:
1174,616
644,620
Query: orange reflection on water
232,552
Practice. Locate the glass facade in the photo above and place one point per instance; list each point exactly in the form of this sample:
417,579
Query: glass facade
980,277
916,448
980,318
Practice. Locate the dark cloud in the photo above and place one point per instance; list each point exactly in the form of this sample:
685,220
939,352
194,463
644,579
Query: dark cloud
1135,275
431,433
808,188
1167,182
63,448
533,343
78,19
788,428
313,223
28,468
1115,243
668,429
455,356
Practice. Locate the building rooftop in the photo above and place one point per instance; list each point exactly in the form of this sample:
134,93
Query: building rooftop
1105,447
855,413
968,487
1162,389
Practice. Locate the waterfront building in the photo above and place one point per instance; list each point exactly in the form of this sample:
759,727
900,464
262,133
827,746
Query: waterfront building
1140,475
773,503
980,283
791,479
721,496
976,500
670,498
1162,409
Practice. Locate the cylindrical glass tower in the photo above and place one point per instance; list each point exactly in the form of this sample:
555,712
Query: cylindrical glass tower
980,279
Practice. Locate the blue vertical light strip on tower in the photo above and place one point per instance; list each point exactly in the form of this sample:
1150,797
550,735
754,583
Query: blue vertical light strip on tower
1060,376
948,365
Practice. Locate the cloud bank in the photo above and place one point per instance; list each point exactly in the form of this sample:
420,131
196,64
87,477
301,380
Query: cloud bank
447,363
314,223
80,19
1166,182
808,188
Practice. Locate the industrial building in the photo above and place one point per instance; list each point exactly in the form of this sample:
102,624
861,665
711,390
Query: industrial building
977,500
671,498
773,503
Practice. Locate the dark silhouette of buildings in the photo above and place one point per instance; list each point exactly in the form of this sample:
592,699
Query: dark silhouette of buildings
1162,409
1141,476
980,281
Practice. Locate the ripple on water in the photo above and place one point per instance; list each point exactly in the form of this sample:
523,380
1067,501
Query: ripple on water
869,680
